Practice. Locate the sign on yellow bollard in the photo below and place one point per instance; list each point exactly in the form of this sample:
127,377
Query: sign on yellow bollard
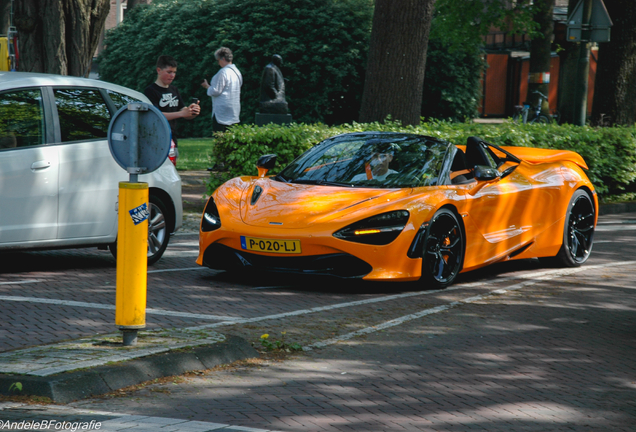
132,261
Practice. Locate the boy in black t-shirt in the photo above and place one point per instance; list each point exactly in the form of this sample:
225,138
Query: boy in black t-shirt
167,98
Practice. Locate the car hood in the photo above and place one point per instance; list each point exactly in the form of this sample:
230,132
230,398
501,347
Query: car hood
293,206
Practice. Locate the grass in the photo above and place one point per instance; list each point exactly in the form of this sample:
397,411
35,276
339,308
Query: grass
194,154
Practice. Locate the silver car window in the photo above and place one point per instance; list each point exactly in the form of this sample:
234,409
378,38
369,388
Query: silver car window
83,114
21,118
120,99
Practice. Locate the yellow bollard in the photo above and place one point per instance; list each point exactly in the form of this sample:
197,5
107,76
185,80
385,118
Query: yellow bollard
132,260
5,63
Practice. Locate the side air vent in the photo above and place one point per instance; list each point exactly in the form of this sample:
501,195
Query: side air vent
256,194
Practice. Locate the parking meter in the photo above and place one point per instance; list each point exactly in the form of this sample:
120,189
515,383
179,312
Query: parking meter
139,141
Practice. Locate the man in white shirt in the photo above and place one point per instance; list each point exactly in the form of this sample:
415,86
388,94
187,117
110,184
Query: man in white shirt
225,90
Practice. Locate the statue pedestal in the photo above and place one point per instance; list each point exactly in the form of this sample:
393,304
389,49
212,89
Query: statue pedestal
282,119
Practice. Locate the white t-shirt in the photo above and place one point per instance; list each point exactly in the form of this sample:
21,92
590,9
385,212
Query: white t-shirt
225,90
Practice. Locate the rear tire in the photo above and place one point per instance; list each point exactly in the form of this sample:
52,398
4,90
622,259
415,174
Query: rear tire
443,254
158,233
578,232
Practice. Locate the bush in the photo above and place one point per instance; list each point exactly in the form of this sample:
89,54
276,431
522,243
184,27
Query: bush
609,152
323,44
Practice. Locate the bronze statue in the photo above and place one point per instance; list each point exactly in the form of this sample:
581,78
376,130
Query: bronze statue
273,88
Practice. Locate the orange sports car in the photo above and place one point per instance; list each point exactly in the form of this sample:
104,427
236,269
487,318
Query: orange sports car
402,207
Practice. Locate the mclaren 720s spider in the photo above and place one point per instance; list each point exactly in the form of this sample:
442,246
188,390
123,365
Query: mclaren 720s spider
402,207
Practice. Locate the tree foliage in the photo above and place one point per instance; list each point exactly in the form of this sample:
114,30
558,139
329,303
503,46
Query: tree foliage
323,44
460,24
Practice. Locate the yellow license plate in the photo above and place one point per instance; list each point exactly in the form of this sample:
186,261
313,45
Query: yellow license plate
270,245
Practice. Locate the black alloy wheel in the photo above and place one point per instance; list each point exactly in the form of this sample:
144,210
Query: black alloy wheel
443,254
578,232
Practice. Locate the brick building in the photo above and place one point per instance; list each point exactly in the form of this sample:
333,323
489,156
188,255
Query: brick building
505,81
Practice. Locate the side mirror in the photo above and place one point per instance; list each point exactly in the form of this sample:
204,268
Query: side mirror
484,173
265,163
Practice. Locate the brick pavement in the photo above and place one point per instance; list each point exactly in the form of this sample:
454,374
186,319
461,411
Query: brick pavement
506,363
539,359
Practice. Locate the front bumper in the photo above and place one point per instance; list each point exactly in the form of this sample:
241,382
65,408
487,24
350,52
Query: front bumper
221,257
322,254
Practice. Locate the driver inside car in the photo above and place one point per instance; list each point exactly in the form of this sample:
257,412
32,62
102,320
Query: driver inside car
377,168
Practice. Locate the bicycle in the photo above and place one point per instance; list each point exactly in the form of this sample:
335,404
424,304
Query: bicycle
522,112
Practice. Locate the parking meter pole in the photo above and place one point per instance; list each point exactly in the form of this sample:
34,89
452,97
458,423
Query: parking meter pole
132,260
134,146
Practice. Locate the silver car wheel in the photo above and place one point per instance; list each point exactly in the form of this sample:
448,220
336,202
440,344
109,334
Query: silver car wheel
157,230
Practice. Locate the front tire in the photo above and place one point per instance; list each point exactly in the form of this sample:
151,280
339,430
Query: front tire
578,232
158,233
443,254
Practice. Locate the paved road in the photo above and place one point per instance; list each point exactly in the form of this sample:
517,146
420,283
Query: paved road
512,347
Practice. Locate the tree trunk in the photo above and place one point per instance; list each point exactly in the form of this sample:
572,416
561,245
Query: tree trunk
5,14
541,54
615,86
397,60
569,60
59,36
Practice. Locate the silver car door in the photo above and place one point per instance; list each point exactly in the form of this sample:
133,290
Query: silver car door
28,170
89,177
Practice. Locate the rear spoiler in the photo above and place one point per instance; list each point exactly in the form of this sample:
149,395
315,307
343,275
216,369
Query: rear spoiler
538,155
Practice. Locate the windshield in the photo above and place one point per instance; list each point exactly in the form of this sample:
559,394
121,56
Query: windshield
386,160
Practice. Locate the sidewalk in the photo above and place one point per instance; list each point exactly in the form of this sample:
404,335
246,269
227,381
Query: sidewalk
79,369
41,417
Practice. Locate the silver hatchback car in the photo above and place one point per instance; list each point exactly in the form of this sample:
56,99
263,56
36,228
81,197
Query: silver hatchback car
58,181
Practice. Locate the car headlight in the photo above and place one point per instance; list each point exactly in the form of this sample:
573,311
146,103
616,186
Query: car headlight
211,220
377,230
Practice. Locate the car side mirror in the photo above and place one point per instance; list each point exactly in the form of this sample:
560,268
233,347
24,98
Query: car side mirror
484,173
265,163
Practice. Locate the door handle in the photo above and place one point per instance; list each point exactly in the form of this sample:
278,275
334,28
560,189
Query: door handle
40,165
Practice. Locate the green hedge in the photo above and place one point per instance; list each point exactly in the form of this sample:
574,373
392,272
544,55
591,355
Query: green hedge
609,152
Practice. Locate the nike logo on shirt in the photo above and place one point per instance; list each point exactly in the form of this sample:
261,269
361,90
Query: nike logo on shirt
168,99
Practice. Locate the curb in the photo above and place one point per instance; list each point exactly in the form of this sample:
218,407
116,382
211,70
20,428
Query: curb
70,386
626,207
